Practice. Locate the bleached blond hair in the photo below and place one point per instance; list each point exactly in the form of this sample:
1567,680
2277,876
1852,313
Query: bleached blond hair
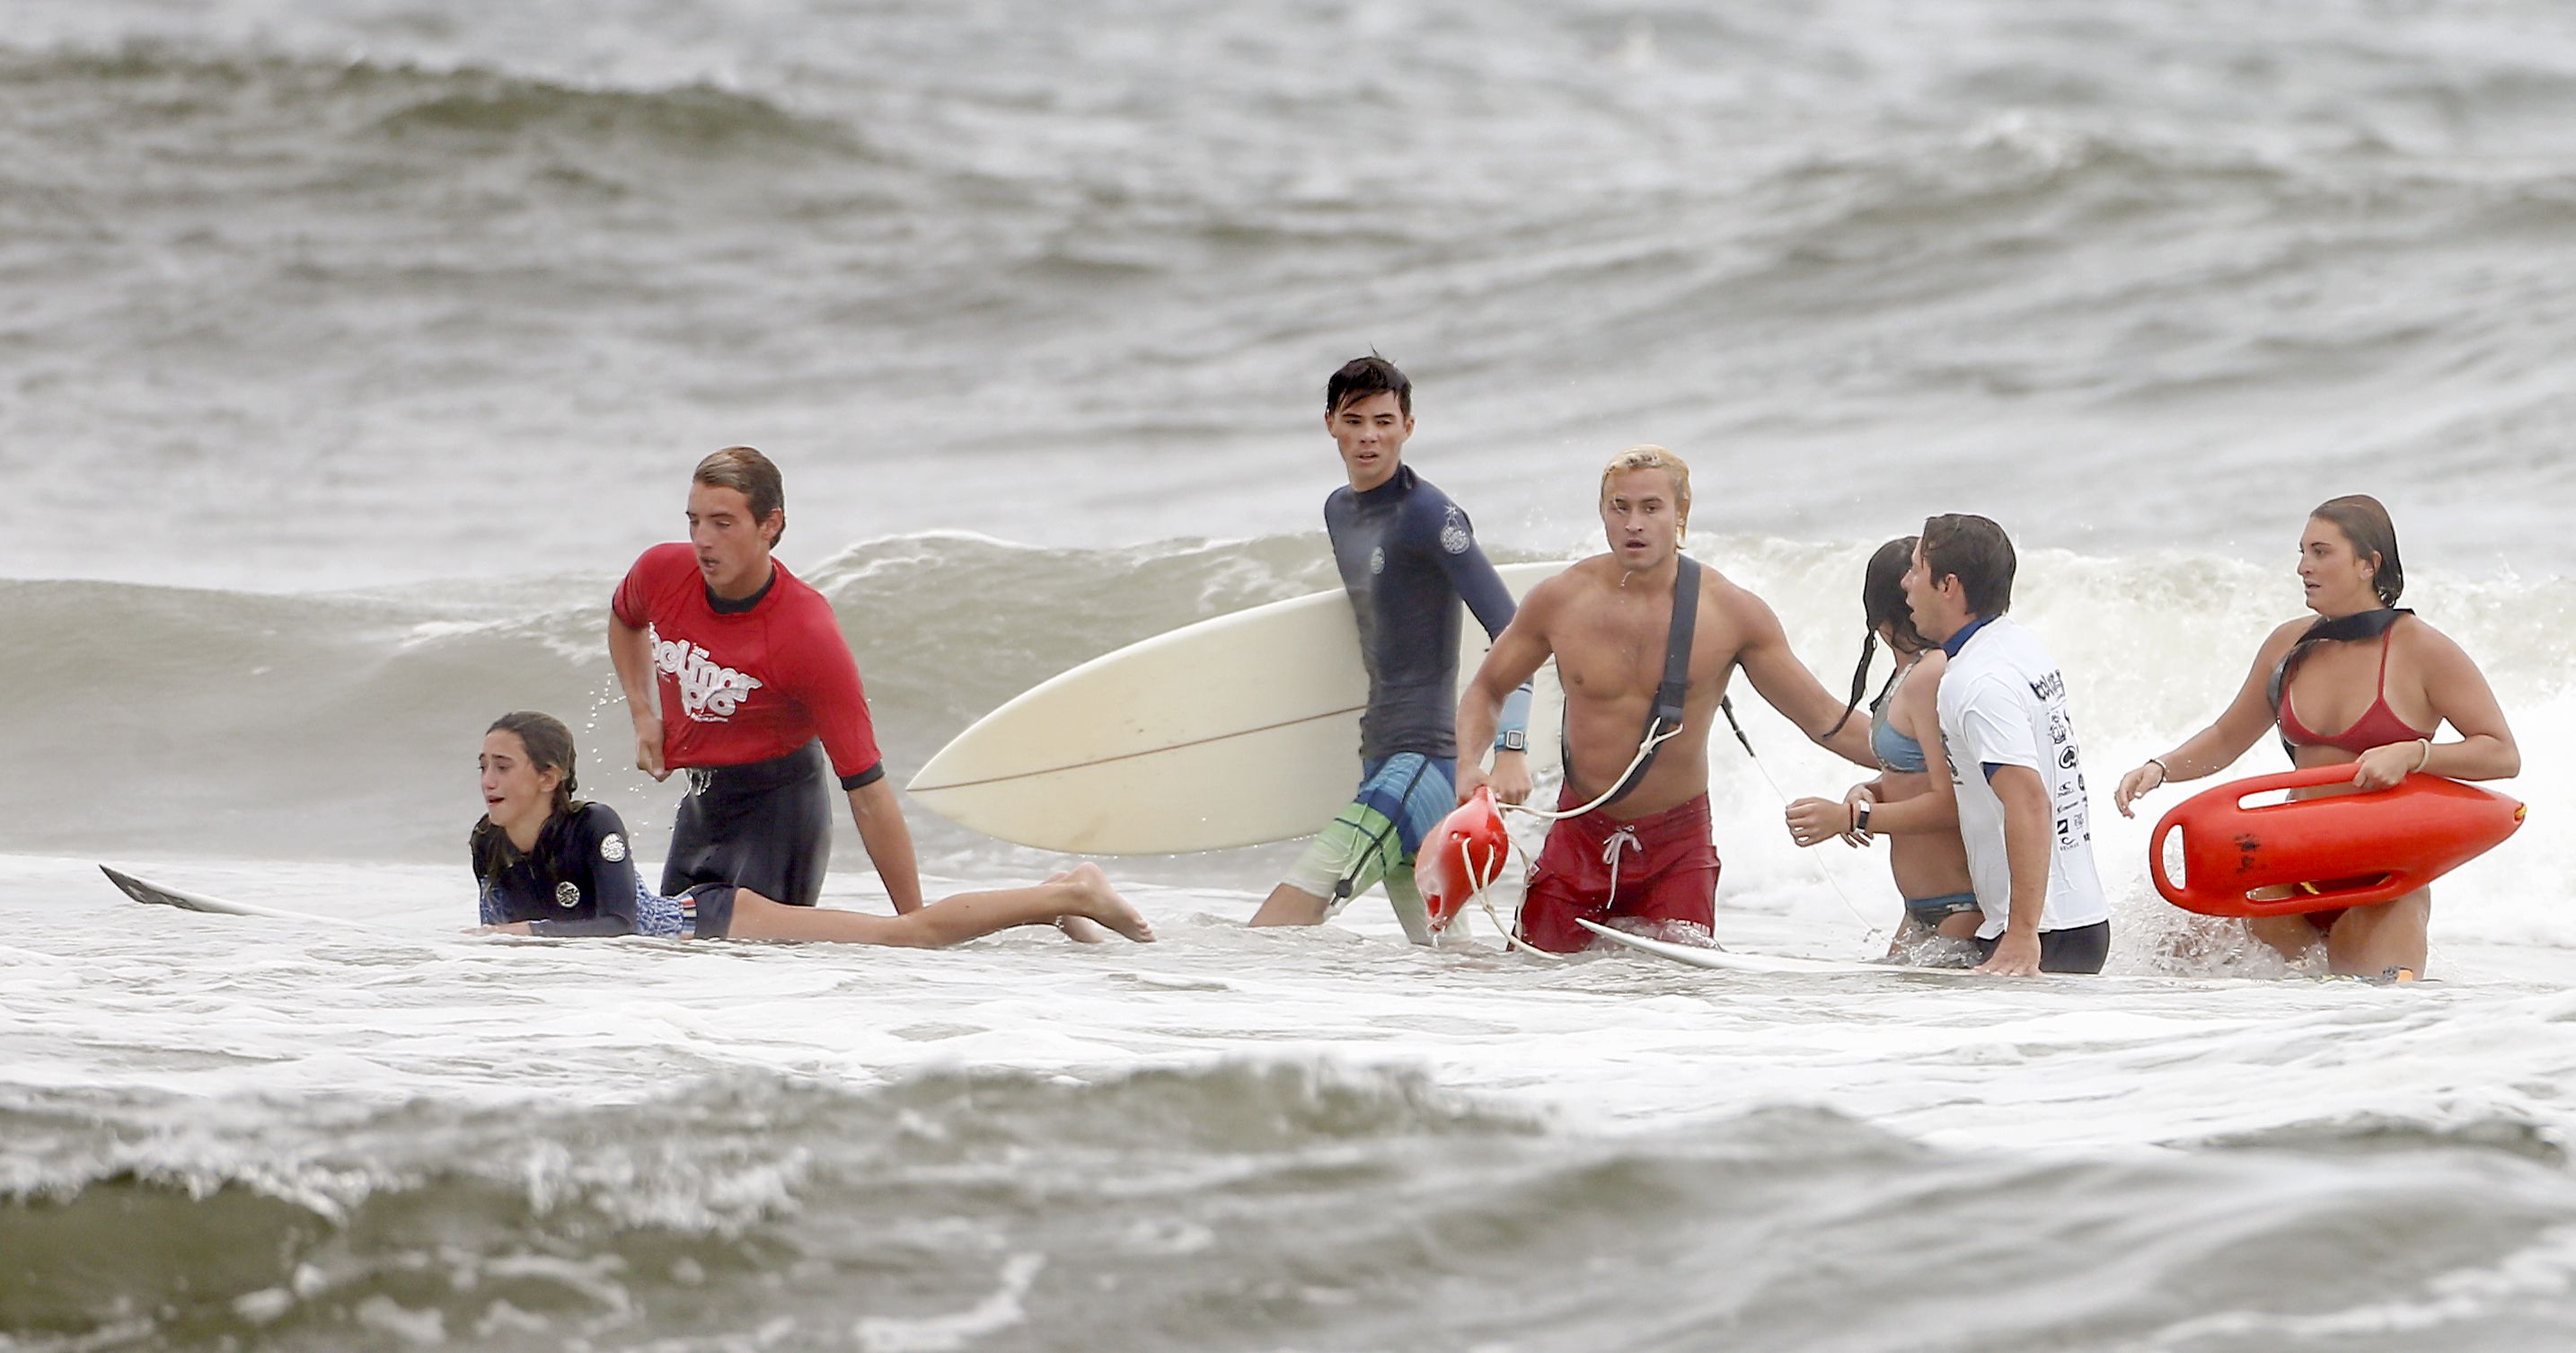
1651,457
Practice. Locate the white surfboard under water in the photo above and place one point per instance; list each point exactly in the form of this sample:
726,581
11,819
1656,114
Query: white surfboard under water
1729,960
159,895
1234,731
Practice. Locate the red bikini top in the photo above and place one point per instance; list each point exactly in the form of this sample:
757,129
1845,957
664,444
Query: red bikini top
2378,725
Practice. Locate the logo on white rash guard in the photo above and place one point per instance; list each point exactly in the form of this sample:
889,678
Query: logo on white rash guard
709,691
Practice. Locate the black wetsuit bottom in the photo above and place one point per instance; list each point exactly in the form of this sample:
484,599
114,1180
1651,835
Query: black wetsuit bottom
2082,948
765,826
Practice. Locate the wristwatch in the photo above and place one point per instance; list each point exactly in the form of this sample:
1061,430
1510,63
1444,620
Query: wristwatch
1512,741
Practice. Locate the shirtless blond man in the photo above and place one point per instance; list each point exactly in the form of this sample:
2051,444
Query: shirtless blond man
1647,852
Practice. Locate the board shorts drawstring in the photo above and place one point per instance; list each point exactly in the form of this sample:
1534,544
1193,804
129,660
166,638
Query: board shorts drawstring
1620,843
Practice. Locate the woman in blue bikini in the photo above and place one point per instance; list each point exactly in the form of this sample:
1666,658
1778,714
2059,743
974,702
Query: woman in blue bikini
1930,864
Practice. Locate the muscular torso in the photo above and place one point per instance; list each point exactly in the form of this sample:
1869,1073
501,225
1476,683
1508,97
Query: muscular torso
1609,647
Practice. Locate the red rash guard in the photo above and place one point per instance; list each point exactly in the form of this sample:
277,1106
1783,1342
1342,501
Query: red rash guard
751,685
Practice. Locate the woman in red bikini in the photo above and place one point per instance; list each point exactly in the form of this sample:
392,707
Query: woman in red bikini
2388,681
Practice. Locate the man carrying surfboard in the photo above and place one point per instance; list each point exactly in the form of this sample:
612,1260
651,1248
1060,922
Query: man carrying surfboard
1408,556
1644,638
736,671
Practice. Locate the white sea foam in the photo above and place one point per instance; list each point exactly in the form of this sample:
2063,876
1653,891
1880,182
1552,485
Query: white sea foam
1608,1044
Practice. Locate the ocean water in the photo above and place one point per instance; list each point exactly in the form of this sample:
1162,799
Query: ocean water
355,346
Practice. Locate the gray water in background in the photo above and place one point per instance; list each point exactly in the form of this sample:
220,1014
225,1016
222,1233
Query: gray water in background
352,347
309,293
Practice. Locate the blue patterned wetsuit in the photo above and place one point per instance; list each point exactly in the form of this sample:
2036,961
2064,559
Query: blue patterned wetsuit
1408,557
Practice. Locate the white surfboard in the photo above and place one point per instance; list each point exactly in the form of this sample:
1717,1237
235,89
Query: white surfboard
1728,960
158,895
1234,731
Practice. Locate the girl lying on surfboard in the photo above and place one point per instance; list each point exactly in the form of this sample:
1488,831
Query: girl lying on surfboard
549,864
2383,676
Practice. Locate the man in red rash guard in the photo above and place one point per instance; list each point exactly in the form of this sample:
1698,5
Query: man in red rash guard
756,689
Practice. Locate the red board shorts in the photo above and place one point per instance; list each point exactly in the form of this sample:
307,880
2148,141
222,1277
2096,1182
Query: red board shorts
1661,868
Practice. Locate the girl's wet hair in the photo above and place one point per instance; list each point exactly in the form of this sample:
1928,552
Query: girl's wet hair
549,746
2367,525
1882,603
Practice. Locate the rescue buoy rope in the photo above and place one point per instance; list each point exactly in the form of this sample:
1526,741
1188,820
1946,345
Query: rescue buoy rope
1646,748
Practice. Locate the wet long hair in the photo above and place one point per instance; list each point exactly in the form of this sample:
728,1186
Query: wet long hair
550,747
1882,603
2367,525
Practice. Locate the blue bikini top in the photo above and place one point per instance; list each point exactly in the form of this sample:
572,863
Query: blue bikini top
1895,751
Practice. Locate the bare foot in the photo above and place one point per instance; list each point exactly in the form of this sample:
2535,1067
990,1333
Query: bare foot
1101,903
1077,928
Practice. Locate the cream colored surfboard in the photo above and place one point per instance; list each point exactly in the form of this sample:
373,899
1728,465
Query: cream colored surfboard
1230,732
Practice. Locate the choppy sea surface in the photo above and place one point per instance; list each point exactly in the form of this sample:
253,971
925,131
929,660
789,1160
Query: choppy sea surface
355,346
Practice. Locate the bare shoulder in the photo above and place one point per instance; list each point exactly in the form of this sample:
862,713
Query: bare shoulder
1917,708
2288,631
1714,583
1734,601
2283,637
2415,636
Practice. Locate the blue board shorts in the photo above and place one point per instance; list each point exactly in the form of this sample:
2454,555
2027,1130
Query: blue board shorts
1400,802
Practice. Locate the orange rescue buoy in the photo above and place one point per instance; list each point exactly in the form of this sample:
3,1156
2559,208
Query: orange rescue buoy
2337,850
1464,854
